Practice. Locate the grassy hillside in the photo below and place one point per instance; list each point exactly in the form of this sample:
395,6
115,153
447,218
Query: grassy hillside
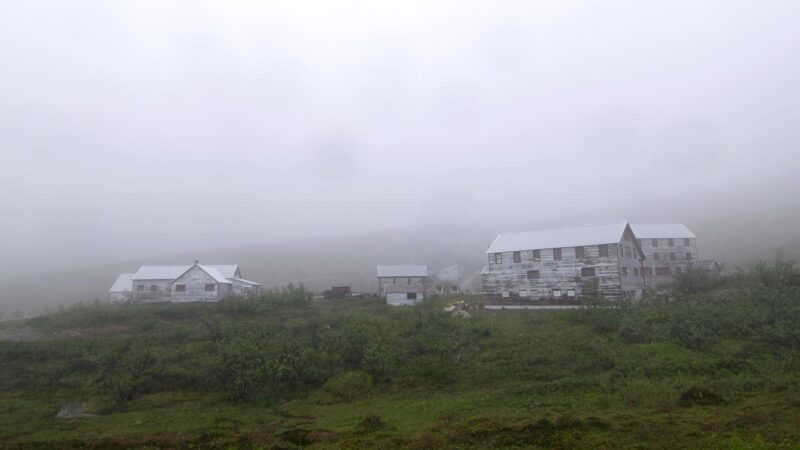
712,365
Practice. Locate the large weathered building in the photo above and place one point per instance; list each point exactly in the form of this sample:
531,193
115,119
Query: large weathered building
669,250
189,283
403,285
565,263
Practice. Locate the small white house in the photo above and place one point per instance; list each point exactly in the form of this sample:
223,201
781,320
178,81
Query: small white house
122,289
403,285
188,283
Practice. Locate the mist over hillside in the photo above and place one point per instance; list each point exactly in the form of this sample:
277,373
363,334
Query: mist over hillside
727,232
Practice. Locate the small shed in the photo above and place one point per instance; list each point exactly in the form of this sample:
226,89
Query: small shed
402,275
399,295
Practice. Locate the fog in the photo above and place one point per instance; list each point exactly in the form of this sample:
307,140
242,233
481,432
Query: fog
136,131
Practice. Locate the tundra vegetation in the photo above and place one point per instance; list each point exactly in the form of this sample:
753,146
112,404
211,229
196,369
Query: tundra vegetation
711,363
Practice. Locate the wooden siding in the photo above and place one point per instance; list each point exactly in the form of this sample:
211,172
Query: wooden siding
163,291
664,250
565,274
383,282
195,281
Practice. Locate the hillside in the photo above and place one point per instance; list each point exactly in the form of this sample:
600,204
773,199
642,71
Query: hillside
712,366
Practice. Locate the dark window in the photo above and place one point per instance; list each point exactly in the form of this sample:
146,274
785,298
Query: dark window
140,288
678,270
625,271
663,272
648,271
537,255
579,252
153,288
656,256
628,253
635,272
498,258
517,257
655,242
210,288
533,274
587,272
411,296
672,256
180,288
604,251
688,255
686,242
671,242
557,254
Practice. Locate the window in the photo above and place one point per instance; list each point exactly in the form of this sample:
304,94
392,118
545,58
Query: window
523,293
654,242
498,258
180,288
672,256
678,270
209,287
625,271
557,293
557,254
689,256
533,274
587,272
411,296
153,288
579,252
505,294
686,242
620,251
628,253
571,293
656,256
537,255
663,272
603,251
671,242
140,288
635,272
648,271
517,257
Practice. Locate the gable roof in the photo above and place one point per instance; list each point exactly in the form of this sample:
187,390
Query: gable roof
227,270
124,283
661,230
403,271
223,271
558,238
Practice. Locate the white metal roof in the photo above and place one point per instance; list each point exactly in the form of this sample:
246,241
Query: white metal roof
124,283
558,237
172,272
242,280
661,230
214,272
402,271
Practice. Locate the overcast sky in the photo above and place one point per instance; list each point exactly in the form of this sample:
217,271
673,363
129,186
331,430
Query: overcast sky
136,128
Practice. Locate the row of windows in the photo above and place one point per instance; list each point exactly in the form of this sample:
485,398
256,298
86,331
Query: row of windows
178,288
536,255
670,242
590,272
672,256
